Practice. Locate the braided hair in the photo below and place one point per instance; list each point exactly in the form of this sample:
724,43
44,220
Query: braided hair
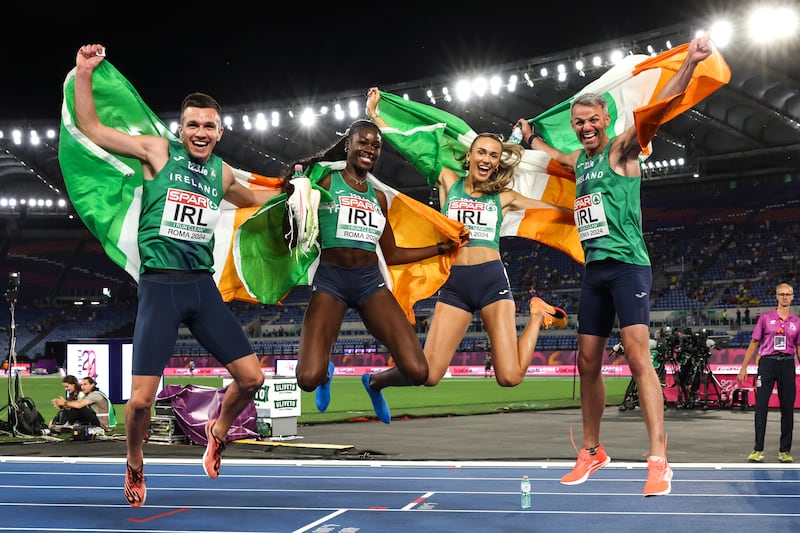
337,151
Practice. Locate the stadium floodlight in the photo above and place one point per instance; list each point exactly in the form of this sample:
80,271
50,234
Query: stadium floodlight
768,24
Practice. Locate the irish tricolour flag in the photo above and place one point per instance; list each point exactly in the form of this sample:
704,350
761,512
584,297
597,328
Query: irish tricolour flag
251,260
106,189
414,225
431,138
631,88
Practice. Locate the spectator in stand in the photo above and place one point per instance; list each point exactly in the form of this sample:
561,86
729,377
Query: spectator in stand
776,338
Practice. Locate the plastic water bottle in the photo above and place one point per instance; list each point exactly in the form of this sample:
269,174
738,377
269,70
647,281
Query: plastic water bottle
298,171
525,493
516,135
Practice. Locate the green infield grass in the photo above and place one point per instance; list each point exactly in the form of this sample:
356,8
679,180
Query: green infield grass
349,401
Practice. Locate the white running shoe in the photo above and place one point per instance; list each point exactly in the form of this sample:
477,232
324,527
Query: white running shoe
301,226
312,223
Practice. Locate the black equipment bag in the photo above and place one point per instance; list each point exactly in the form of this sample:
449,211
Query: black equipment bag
24,418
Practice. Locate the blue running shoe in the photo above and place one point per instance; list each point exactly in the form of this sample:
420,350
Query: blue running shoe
379,404
322,396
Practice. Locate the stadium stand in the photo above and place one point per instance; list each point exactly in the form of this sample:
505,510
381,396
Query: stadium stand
714,246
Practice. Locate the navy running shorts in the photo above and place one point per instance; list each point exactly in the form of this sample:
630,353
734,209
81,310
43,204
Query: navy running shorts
473,287
611,288
168,299
350,285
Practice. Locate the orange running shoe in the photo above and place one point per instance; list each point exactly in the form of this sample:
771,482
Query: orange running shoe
586,465
135,490
659,477
212,457
553,316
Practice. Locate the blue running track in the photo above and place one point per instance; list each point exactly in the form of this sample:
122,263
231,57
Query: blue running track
85,495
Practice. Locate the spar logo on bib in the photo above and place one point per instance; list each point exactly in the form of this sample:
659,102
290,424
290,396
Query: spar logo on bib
587,201
357,202
467,204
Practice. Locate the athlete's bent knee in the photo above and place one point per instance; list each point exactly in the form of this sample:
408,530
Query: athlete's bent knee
419,376
250,384
140,404
506,381
309,381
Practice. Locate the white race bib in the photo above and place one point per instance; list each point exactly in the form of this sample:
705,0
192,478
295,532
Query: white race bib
188,216
480,218
590,216
359,220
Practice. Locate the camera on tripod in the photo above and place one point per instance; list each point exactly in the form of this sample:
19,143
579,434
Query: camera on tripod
685,354
696,344
13,287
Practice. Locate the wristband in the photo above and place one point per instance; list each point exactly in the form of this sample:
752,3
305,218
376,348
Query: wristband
440,248
533,136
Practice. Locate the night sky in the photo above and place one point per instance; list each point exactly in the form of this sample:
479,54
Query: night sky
250,55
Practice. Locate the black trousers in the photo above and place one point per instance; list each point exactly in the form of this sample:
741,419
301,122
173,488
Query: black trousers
770,372
84,416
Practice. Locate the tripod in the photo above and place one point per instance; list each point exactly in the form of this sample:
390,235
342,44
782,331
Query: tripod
697,385
662,356
13,389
